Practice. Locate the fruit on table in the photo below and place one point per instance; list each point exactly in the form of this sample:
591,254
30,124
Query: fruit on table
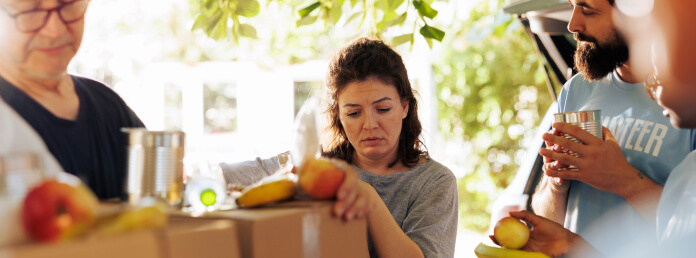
273,189
320,179
511,233
153,216
54,210
484,251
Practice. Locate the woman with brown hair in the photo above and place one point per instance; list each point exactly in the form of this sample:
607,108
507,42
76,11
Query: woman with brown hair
411,199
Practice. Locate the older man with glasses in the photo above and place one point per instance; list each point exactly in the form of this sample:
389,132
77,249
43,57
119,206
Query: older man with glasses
79,119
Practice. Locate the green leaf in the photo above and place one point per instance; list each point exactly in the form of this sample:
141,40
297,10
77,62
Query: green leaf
398,40
430,42
432,33
235,28
208,4
307,10
354,16
213,22
386,19
248,8
393,4
201,22
424,9
307,20
399,20
247,30
353,3
335,12
220,31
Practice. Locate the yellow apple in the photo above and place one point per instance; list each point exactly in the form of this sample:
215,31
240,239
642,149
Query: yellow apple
511,233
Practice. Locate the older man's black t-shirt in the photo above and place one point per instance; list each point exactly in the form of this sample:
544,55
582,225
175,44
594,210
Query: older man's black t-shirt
92,147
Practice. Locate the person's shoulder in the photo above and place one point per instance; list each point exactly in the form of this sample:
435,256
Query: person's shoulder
579,85
437,171
98,91
106,100
578,81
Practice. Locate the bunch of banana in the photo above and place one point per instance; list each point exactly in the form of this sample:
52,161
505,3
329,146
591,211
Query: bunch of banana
136,218
272,189
484,251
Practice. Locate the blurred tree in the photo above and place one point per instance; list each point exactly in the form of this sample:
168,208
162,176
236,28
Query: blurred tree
490,84
220,18
491,92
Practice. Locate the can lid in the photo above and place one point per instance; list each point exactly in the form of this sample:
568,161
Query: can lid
579,116
136,136
168,139
143,137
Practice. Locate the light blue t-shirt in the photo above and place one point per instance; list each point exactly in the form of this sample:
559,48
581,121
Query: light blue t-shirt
676,213
648,141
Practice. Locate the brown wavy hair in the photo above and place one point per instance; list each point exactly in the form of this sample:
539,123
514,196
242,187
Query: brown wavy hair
361,60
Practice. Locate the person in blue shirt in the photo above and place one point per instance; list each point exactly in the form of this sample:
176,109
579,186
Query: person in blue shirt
639,148
78,119
673,85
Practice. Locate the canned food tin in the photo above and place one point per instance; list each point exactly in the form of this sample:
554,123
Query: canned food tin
588,120
155,165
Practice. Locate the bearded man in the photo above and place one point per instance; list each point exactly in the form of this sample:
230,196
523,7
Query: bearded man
620,176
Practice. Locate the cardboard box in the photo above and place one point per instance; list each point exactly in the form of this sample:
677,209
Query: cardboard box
136,244
202,238
296,229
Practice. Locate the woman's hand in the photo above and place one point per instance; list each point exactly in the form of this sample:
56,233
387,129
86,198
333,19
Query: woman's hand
355,198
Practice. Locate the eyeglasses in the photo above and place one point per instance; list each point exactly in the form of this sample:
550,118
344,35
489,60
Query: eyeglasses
652,83
33,20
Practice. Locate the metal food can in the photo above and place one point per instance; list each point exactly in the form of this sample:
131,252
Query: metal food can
588,120
155,165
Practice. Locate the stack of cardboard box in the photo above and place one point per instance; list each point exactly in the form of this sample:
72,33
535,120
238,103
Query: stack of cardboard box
293,229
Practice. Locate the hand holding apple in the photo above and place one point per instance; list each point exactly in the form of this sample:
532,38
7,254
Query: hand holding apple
511,233
54,209
552,239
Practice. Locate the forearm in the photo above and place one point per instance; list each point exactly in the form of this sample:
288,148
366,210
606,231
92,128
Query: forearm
388,238
578,247
550,203
643,194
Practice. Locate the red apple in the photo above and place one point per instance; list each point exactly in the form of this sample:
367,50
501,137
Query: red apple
511,233
320,179
54,209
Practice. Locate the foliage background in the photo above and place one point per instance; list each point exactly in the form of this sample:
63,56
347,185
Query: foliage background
492,95
489,81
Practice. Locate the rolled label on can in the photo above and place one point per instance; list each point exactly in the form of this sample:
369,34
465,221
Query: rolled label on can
588,120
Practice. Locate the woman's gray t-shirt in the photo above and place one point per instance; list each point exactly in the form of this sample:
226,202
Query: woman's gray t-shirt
424,203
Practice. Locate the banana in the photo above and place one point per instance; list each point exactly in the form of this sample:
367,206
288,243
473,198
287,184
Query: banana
148,217
484,251
269,190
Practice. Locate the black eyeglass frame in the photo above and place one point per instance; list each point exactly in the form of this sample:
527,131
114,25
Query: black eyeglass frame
57,9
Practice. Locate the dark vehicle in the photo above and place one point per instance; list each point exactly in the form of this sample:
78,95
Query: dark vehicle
546,22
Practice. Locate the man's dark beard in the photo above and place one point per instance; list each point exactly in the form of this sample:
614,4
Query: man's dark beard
596,60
